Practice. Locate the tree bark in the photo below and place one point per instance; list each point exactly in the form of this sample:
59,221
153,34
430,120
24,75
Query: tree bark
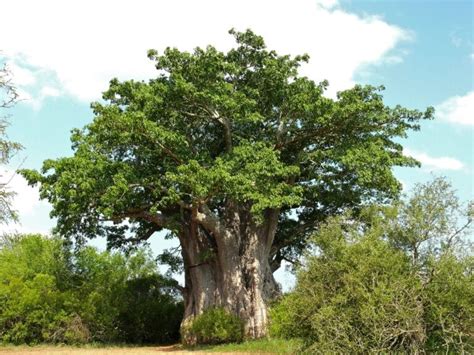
229,267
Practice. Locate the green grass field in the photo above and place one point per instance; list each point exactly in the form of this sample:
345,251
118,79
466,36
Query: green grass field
271,346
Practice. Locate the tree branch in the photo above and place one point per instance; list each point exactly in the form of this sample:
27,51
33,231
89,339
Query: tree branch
158,218
209,220
214,114
281,130
457,232
170,153
227,129
148,234
270,226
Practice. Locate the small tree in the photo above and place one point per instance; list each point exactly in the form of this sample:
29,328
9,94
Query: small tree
234,154
431,222
8,97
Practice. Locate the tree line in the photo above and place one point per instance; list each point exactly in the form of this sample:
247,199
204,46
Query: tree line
52,294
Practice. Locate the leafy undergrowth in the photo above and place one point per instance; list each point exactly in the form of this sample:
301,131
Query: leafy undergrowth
270,346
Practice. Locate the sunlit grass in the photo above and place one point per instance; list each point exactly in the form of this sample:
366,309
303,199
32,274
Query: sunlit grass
262,346
270,346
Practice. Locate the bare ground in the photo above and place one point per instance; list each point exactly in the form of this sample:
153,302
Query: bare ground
90,351
155,350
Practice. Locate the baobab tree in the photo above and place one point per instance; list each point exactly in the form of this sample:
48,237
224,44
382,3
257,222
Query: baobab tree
234,154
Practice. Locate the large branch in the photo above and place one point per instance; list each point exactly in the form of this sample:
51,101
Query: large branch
227,129
158,218
270,227
209,220
215,115
281,130
170,153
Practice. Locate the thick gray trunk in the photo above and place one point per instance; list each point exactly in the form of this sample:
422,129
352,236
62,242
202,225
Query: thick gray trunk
230,271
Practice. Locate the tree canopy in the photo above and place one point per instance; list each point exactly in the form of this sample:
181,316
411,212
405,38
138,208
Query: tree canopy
214,127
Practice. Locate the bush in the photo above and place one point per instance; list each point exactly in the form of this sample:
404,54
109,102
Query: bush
216,326
33,306
449,306
361,297
367,296
394,279
49,294
147,314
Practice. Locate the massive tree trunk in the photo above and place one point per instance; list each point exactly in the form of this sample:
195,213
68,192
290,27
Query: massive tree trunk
227,265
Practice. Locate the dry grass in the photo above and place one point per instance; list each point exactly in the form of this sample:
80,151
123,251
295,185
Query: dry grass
262,346
67,350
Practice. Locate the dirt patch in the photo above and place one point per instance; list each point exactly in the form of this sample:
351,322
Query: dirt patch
173,349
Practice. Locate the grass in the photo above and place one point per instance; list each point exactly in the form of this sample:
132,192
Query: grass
85,349
269,346
263,346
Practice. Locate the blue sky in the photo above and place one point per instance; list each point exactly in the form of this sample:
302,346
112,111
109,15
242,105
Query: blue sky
62,55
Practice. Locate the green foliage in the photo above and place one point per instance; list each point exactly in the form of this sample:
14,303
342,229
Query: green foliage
386,281
148,315
214,128
356,297
282,318
260,346
449,296
49,294
216,326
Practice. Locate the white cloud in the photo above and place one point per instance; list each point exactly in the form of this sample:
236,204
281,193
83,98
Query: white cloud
34,98
49,91
328,4
85,43
435,163
33,84
458,109
21,76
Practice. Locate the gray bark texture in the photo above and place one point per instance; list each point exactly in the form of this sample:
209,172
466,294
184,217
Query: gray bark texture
226,262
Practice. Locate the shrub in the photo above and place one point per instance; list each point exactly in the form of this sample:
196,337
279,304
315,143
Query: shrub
449,306
148,315
32,304
361,297
216,326
281,319
394,279
72,330
49,294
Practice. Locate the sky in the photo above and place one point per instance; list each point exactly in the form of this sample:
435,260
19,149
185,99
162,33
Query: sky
62,55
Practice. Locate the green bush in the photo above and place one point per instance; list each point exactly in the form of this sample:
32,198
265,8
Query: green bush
367,296
281,319
147,314
449,305
49,294
216,326
361,297
33,305
394,279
